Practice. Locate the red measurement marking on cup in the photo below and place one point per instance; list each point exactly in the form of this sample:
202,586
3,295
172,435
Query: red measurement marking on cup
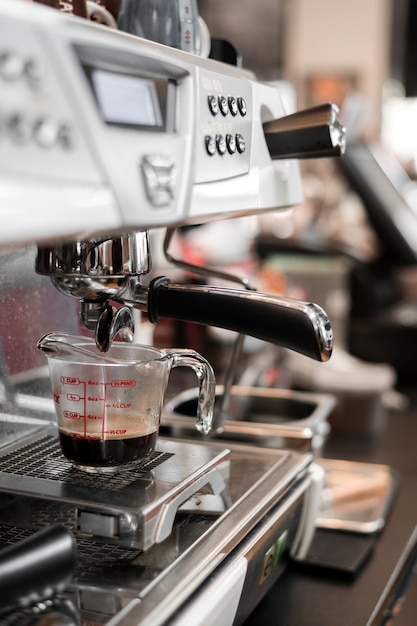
89,399
71,415
73,397
118,405
116,431
68,380
123,383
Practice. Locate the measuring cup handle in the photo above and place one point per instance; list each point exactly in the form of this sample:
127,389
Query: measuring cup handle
207,390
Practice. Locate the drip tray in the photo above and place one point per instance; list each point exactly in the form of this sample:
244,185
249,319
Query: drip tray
118,584
135,507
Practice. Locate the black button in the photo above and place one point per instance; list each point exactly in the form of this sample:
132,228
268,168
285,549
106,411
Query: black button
223,105
231,143
233,105
221,144
240,143
210,145
19,128
241,103
66,136
213,104
34,71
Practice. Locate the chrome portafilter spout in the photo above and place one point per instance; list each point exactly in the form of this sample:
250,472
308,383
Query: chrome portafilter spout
97,270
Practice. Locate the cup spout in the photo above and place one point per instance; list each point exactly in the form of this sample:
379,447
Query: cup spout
69,347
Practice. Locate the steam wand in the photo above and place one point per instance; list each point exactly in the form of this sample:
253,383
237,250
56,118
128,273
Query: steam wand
230,375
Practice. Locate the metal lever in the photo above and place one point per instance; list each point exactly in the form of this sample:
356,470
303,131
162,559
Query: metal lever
313,133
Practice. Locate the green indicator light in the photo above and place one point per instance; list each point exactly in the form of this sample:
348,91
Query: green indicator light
280,547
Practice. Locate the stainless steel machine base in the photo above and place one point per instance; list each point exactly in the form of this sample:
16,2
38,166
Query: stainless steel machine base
238,523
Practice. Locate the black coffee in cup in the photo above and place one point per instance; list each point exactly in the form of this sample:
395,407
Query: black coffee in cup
106,453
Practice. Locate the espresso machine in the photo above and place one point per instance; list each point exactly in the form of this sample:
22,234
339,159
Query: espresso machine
106,136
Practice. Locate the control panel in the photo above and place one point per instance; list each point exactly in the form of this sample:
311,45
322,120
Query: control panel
101,131
40,136
225,122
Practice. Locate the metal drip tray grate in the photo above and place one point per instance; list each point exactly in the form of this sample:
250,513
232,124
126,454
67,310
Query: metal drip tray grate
43,459
105,578
96,560
11,534
135,507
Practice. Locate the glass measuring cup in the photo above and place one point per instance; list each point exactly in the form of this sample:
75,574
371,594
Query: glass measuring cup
108,407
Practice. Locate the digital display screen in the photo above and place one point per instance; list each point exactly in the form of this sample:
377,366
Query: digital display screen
127,100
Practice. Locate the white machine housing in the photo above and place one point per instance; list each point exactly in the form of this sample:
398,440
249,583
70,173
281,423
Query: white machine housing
132,135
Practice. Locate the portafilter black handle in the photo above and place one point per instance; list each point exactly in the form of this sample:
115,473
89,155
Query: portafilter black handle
313,133
300,326
37,567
